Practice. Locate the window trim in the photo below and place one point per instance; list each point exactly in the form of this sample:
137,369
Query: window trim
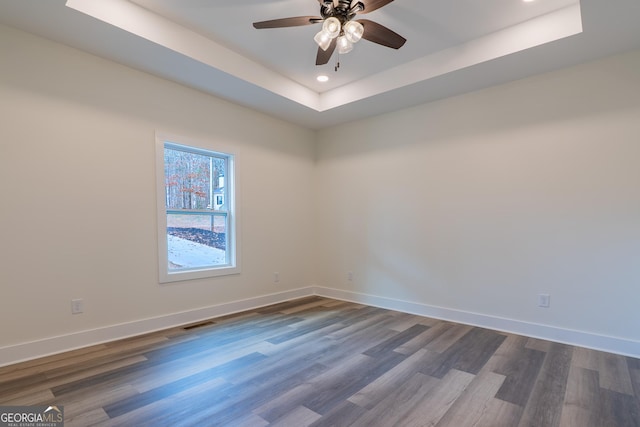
231,183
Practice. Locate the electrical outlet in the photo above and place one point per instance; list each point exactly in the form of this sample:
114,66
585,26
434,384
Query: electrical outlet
350,276
77,306
544,300
276,277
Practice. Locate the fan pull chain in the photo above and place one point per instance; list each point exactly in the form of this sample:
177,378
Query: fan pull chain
337,63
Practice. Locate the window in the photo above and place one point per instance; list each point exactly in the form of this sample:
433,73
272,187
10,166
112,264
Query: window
196,212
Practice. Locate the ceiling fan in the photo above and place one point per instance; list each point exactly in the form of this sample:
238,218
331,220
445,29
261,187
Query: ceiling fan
339,29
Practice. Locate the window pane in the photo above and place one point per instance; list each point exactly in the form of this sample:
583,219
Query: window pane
196,241
196,223
193,181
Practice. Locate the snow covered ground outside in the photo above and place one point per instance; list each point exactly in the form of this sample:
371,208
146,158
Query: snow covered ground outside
187,254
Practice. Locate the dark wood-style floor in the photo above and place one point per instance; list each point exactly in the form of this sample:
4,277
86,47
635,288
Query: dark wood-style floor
322,362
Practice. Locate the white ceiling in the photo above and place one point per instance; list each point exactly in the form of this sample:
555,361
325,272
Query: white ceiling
454,46
429,26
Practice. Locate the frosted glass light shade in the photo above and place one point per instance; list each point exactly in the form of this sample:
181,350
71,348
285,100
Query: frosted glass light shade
332,27
353,30
344,45
323,40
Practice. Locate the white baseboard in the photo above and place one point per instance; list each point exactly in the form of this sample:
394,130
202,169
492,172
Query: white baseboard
609,344
58,344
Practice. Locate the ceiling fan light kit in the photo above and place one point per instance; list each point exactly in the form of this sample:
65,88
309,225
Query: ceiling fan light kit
353,31
344,45
323,40
332,27
330,30
339,30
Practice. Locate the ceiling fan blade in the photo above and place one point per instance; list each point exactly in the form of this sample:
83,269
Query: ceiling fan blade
380,34
295,21
371,5
324,55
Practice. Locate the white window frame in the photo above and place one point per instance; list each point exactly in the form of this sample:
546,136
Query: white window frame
233,224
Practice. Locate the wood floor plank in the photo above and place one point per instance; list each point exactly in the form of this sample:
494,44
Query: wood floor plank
157,375
299,417
501,414
521,368
156,371
508,350
356,316
89,418
618,409
227,403
16,386
546,401
330,303
438,401
275,308
365,320
424,338
358,342
395,341
132,346
399,402
183,405
322,362
586,358
336,390
111,379
34,398
540,345
469,353
473,402
581,403
332,387
635,380
613,369
376,391
203,349
362,335
448,338
304,307
343,415
282,404
31,367
310,327
247,397
614,373
282,361
404,322
247,420
185,358
88,370
144,398
633,363
103,354
77,403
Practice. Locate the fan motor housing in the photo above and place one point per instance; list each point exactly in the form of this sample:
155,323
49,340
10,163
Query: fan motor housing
344,11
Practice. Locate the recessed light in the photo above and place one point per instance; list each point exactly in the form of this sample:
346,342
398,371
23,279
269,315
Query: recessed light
322,78
528,1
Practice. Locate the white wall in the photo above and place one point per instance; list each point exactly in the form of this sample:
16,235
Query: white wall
77,189
476,204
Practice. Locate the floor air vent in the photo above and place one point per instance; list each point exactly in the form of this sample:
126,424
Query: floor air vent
197,325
